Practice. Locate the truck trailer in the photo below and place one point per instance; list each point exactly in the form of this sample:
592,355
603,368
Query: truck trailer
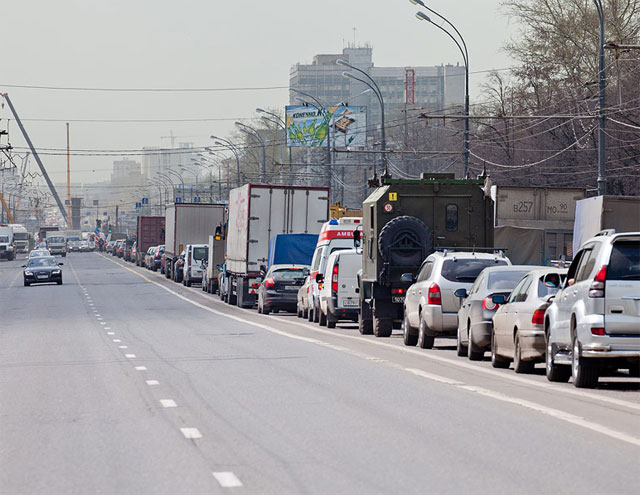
150,231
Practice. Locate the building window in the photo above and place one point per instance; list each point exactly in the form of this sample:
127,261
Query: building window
451,218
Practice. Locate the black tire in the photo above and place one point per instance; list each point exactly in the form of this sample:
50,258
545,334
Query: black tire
27,284
555,372
331,322
59,282
410,238
519,365
365,318
316,314
473,352
265,311
310,314
382,327
425,341
305,314
409,338
322,318
584,373
187,282
64,255
461,349
497,361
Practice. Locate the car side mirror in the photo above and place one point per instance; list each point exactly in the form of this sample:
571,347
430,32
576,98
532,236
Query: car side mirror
407,278
357,238
24,266
319,278
60,264
461,293
498,299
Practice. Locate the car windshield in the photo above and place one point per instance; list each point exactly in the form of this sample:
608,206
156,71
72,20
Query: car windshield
467,269
56,239
506,280
42,262
73,239
289,274
35,254
200,253
4,238
624,263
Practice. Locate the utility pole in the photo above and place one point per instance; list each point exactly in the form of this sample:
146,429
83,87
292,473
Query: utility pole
68,177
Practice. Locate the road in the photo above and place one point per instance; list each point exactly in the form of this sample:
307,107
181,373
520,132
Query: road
121,382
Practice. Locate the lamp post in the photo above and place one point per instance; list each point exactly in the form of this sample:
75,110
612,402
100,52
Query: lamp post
176,174
276,119
250,131
232,147
209,165
369,81
602,158
465,56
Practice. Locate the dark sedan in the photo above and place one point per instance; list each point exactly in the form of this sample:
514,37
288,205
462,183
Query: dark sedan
279,288
42,271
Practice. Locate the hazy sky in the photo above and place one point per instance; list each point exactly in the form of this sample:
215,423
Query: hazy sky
200,44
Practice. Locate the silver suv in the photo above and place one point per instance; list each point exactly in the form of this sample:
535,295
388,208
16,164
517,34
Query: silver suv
431,306
593,323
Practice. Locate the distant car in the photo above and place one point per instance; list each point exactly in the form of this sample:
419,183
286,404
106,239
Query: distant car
178,272
119,248
475,324
74,244
279,288
303,299
518,324
39,253
84,246
134,252
149,257
42,270
338,295
195,254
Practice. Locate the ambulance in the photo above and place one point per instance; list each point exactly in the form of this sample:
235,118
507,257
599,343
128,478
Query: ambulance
335,235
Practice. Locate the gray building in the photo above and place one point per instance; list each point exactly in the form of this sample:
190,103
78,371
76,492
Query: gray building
434,89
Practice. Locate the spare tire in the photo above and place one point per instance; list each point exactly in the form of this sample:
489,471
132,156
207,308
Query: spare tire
405,241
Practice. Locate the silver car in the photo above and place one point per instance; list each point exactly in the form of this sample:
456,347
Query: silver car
518,324
593,324
431,307
475,324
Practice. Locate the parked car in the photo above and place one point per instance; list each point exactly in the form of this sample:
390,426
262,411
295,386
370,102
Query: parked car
518,323
195,254
475,324
134,253
430,307
279,288
339,292
149,257
42,270
303,298
178,271
157,258
109,246
593,324
39,253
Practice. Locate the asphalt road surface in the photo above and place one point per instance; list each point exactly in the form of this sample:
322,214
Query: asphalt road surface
121,382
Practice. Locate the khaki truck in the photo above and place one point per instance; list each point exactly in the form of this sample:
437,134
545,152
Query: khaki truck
403,222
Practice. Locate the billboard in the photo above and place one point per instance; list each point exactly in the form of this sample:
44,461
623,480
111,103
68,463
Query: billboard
307,126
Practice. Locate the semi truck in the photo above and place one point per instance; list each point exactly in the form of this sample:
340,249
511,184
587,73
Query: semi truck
257,212
405,220
7,243
21,237
188,223
150,231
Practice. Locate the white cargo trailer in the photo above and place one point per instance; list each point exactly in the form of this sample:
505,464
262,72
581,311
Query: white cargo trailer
620,213
188,223
257,212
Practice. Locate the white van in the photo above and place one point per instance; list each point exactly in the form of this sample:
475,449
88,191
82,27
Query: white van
338,296
195,254
335,235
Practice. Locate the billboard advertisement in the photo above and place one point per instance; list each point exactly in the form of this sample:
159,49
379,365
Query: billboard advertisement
307,126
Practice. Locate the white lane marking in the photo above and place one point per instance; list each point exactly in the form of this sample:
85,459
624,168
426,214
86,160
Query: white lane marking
432,356
141,368
117,340
431,376
227,479
107,328
90,304
99,319
130,356
111,333
152,382
103,323
168,403
123,347
191,433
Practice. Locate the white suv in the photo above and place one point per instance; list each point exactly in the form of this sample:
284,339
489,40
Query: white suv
431,307
594,321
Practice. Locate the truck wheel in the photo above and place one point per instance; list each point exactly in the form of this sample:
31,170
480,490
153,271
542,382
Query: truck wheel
322,318
365,319
584,373
425,341
382,327
331,322
408,335
410,238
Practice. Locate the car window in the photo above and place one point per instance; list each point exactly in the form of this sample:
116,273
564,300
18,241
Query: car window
4,238
516,290
42,262
505,281
318,257
467,269
425,271
624,263
288,274
477,284
200,253
586,267
522,294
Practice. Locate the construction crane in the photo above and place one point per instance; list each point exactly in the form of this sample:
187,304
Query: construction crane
173,138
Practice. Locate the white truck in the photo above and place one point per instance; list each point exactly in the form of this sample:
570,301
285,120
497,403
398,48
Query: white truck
7,244
187,223
21,237
257,212
620,213
215,259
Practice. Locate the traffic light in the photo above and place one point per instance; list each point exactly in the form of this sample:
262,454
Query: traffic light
109,228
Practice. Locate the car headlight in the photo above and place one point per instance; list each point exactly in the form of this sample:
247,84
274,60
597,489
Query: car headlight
28,272
56,272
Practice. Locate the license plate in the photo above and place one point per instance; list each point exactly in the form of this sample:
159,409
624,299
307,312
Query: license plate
349,303
291,287
43,276
397,299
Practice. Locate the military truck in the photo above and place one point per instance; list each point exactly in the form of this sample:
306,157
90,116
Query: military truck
405,220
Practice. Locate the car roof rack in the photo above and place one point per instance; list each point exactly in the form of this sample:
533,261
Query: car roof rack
446,249
605,232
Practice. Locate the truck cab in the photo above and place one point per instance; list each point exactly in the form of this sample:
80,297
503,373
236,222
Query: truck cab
195,254
57,244
7,244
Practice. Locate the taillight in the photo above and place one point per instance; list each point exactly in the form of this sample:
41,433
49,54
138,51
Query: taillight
434,296
334,279
538,317
397,292
597,331
597,286
488,304
269,282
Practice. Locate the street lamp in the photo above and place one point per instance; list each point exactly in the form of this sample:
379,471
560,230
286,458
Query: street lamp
276,119
250,131
602,173
232,147
369,81
465,56
176,174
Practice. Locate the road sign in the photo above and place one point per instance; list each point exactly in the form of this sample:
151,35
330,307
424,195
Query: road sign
178,199
138,205
145,201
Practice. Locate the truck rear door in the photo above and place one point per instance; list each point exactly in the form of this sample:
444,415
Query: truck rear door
349,264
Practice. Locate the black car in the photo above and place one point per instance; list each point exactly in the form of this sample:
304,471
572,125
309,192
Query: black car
42,270
279,288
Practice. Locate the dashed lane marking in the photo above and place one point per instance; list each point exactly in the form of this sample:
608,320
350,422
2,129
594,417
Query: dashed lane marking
227,479
152,382
117,341
123,347
141,368
130,356
191,433
168,403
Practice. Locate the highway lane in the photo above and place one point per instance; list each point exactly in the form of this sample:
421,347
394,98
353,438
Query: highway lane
278,405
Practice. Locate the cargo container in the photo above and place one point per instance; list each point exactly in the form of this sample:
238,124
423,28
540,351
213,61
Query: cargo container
21,237
620,213
150,231
258,212
188,223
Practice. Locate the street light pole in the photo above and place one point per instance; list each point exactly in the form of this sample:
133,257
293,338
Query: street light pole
250,131
276,119
232,147
602,158
465,56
